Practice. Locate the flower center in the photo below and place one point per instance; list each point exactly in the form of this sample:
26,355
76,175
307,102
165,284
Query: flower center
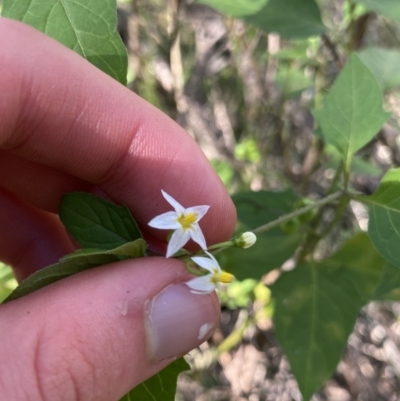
186,220
222,277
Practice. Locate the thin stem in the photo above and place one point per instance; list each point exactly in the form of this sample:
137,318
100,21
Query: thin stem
298,212
226,244
338,215
236,336
312,238
352,7
333,50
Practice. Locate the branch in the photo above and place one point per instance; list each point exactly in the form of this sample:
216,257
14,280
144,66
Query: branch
298,212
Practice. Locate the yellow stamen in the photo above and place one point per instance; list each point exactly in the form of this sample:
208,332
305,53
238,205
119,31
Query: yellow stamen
223,277
186,220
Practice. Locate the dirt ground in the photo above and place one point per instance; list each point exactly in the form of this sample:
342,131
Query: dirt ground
257,370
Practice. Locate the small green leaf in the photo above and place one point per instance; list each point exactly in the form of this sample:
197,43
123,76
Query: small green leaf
86,26
384,64
384,217
292,19
97,223
74,263
388,8
316,308
388,288
292,82
352,113
134,249
162,386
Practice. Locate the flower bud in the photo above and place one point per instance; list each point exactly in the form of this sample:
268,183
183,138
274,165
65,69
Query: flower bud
246,240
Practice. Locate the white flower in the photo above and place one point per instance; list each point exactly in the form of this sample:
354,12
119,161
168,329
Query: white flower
209,282
185,222
246,240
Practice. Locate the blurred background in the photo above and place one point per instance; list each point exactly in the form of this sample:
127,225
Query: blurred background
245,96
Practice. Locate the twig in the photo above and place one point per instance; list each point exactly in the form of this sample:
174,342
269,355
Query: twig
298,212
332,50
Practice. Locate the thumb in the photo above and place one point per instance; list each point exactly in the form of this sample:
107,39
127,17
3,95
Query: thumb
96,335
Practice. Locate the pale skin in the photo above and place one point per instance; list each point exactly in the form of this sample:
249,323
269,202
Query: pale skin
65,127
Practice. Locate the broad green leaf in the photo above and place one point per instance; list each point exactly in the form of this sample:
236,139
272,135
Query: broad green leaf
352,112
389,284
384,64
162,386
75,263
388,8
273,247
316,308
268,253
292,19
97,223
257,208
86,26
384,217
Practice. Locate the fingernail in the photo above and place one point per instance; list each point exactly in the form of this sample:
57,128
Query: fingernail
178,321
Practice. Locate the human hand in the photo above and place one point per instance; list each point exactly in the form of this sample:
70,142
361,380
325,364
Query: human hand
65,127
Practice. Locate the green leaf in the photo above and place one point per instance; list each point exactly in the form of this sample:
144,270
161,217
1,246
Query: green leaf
74,263
358,164
389,284
352,113
316,308
162,386
97,223
388,8
292,19
273,247
292,82
384,64
7,281
384,217
256,208
134,249
268,253
86,26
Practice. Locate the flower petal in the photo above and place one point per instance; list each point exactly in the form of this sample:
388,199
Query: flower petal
197,235
213,258
165,221
201,285
199,210
175,204
206,263
178,239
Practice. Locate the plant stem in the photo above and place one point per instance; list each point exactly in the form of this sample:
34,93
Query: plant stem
350,45
298,212
313,237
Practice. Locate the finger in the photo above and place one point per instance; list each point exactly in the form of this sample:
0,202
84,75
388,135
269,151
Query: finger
97,334
39,185
88,126
30,238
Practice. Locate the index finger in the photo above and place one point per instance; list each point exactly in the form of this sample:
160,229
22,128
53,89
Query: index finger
62,114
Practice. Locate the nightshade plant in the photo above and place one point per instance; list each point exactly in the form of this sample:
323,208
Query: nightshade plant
316,303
